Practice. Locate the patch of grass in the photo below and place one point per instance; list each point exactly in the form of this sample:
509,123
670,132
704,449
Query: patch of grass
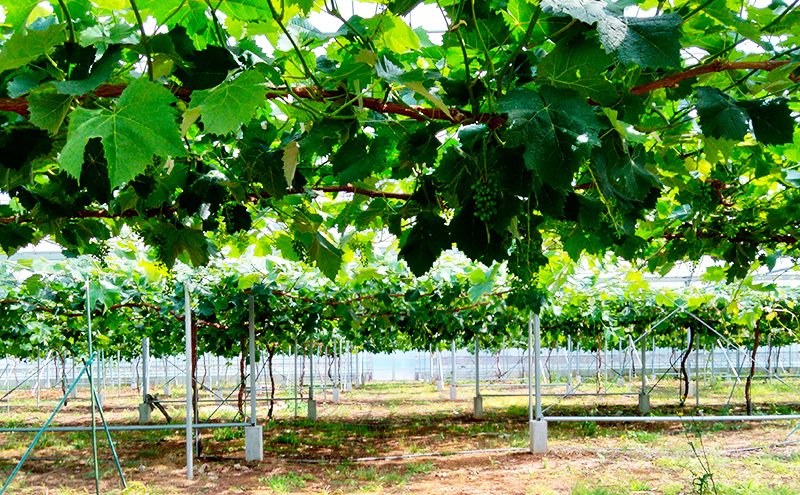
282,483
582,489
642,436
420,467
287,437
225,434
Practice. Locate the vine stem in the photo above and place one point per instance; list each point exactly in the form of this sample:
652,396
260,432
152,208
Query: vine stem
145,43
68,18
279,21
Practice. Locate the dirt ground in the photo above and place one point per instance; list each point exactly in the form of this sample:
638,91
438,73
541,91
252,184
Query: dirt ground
409,438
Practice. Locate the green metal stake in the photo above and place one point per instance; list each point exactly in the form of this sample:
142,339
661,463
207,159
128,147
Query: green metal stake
91,387
46,425
110,442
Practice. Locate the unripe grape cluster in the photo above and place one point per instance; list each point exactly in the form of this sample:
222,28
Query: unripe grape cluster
487,196
300,249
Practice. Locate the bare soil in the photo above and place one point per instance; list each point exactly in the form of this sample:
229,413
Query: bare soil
408,438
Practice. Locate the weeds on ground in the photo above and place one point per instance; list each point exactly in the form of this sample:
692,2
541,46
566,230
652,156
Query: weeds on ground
281,483
703,482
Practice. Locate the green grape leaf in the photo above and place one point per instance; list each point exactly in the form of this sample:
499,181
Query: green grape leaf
224,108
359,157
17,12
720,115
140,125
177,241
580,67
48,108
27,45
556,127
326,256
101,72
772,120
403,7
25,82
14,236
651,42
425,242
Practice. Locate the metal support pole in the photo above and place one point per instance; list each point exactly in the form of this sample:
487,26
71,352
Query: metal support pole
538,377
311,365
119,374
91,388
697,370
296,394
569,364
252,350
145,368
644,368
530,368
189,420
453,354
477,368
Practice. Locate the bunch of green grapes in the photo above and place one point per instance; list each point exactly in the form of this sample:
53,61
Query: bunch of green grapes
157,242
100,253
487,196
300,249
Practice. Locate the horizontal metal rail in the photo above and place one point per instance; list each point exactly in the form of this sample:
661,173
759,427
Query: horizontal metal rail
673,419
54,429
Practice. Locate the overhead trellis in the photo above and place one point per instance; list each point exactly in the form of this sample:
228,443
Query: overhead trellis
656,132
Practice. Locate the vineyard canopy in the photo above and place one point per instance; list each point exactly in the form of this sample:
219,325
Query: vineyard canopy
656,131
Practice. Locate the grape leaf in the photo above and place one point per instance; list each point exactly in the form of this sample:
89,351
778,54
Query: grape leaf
580,67
720,115
647,41
178,241
48,108
326,256
651,42
14,236
226,107
27,45
101,72
140,125
17,12
425,242
772,120
556,127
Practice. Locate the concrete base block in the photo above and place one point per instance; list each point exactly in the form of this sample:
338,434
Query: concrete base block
74,393
620,382
453,392
644,403
348,387
439,386
312,410
477,403
335,396
101,399
144,414
653,378
254,443
538,430
166,390
691,390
